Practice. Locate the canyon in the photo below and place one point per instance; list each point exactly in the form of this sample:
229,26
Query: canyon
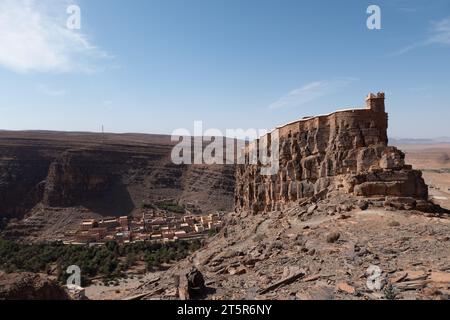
52,180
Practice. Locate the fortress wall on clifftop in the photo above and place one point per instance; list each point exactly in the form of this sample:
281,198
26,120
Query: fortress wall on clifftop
346,149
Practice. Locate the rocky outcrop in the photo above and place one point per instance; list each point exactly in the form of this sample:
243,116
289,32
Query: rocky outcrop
345,150
191,285
30,286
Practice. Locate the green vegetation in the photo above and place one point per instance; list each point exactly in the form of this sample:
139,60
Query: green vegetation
171,207
165,205
109,261
212,232
147,206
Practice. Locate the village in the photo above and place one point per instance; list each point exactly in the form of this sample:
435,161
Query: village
155,225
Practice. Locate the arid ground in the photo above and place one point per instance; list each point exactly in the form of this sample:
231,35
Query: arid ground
434,161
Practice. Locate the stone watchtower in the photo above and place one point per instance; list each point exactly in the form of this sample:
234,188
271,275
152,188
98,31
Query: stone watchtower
375,102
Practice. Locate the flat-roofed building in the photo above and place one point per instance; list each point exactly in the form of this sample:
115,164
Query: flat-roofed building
88,224
214,225
199,228
214,217
84,237
109,224
97,233
157,236
124,222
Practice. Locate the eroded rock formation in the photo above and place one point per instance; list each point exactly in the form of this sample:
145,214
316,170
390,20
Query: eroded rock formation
54,176
345,150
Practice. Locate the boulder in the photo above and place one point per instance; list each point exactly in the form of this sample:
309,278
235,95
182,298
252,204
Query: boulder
333,237
195,282
363,204
311,209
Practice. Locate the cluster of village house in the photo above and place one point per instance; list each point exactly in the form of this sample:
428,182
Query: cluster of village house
153,226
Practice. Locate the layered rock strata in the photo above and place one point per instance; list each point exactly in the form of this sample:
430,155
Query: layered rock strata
108,174
345,150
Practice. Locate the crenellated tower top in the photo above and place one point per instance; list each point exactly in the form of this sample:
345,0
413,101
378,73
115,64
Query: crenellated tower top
375,102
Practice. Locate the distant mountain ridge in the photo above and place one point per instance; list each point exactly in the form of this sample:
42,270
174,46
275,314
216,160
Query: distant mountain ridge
400,141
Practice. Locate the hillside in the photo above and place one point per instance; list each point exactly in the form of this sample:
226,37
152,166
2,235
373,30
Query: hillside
322,251
51,180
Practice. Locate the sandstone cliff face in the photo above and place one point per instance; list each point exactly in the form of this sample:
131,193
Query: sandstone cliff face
344,150
105,174
89,178
22,178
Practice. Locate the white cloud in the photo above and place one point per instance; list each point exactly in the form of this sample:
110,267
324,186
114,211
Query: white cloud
310,92
440,34
34,38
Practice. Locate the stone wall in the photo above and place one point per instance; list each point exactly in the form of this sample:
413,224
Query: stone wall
345,150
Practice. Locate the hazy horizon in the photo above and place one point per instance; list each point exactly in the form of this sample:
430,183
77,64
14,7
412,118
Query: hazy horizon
443,139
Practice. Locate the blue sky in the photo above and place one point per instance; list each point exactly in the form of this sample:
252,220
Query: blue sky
155,66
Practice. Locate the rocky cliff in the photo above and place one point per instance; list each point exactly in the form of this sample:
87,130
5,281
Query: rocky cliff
345,150
47,175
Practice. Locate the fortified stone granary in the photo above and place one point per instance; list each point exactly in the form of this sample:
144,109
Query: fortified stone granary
346,151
